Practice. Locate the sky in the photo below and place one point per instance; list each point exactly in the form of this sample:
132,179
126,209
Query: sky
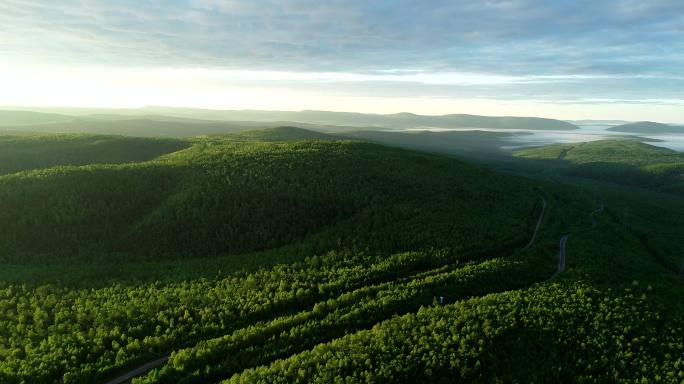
570,59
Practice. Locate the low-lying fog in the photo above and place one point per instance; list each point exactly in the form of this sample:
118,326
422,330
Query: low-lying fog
589,131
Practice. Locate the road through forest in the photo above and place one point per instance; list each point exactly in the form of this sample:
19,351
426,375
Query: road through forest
539,221
126,377
561,257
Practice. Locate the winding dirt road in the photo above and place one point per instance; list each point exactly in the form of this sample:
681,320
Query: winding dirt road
564,240
539,221
561,257
126,377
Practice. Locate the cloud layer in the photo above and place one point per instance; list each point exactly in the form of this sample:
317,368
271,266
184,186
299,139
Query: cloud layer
504,36
516,49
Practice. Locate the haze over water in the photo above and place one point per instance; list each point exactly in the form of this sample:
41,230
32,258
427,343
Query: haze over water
589,131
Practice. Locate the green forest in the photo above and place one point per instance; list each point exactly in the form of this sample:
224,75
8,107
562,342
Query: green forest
622,161
284,255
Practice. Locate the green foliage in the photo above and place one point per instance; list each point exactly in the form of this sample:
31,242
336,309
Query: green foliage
471,144
286,256
282,133
230,196
625,161
566,332
653,213
19,153
354,310
117,326
142,126
622,151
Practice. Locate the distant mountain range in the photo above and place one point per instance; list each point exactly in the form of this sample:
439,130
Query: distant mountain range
186,122
391,121
397,120
647,127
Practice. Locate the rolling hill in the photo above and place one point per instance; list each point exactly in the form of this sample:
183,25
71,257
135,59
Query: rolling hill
154,126
139,127
177,203
623,161
12,118
285,255
398,120
314,118
465,143
353,207
26,152
646,127
645,185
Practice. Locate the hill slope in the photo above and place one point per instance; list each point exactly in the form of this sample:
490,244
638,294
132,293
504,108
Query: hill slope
470,143
649,203
278,256
233,195
625,161
320,118
399,120
284,133
11,118
646,127
19,153
339,214
137,127
160,126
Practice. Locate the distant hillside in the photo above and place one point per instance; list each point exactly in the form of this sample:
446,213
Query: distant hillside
621,161
506,122
10,118
654,210
140,127
453,142
283,134
648,127
27,152
398,120
160,126
232,194
319,118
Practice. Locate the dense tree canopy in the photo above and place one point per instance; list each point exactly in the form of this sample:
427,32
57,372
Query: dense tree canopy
278,256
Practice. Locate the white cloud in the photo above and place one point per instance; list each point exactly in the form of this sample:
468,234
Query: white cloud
293,52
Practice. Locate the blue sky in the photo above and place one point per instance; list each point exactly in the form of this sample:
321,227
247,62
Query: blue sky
570,59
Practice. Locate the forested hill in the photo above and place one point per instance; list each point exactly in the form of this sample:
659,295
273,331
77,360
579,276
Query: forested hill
18,153
397,120
11,117
647,127
290,256
622,161
646,183
105,121
284,133
138,127
252,192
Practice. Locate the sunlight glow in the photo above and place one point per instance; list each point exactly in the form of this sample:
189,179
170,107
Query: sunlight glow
277,90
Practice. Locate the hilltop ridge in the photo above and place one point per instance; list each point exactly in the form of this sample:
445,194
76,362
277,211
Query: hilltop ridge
647,127
403,120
